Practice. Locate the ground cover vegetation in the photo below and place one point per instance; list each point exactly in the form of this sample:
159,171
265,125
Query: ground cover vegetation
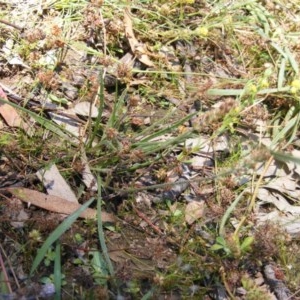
149,149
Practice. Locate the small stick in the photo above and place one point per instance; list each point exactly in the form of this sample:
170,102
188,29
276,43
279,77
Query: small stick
142,216
5,276
12,25
11,268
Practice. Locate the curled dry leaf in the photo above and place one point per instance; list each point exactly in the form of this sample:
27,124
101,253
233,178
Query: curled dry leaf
280,201
56,204
88,178
135,46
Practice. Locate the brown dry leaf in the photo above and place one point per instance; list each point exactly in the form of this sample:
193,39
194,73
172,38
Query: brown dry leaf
10,114
135,45
88,178
127,60
56,204
194,211
2,94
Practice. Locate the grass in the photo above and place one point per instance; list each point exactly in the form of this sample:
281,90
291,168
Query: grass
242,62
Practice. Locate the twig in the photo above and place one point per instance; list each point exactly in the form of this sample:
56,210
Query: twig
258,184
224,281
292,296
11,25
10,266
104,35
142,216
6,281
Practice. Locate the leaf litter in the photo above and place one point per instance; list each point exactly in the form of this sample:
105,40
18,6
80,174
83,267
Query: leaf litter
99,77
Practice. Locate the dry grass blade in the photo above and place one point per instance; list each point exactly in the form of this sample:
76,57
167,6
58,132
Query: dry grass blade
134,44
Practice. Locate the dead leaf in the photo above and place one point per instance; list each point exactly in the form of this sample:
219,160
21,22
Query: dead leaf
194,211
277,199
290,223
204,143
135,45
2,94
292,165
21,217
86,109
67,123
56,204
127,59
11,116
55,184
274,170
88,178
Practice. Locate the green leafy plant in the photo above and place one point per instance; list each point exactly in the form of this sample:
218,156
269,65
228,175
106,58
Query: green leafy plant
253,291
49,257
232,246
51,279
56,234
99,268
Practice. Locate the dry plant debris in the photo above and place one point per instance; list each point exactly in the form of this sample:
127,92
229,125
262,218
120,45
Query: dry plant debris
180,118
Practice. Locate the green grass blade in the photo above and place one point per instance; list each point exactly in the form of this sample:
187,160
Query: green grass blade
284,132
57,233
154,147
4,284
164,130
239,92
228,213
92,134
285,157
114,119
281,77
101,231
100,272
57,271
292,60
